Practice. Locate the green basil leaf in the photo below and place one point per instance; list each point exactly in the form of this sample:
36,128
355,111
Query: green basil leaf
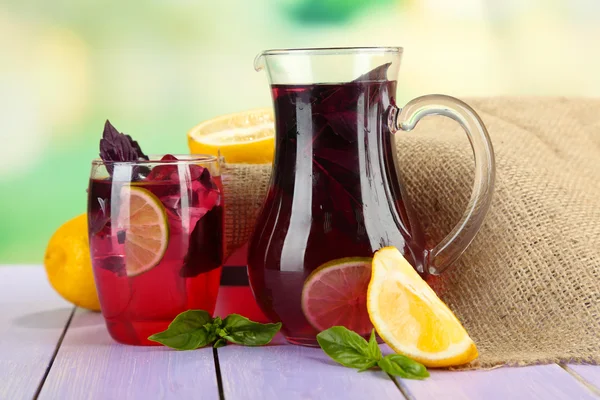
240,330
212,332
346,347
374,350
186,332
220,343
402,366
222,332
368,366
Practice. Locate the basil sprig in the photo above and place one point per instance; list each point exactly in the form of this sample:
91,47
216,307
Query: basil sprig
352,350
193,329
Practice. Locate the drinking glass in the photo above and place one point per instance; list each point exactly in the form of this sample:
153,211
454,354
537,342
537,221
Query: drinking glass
155,229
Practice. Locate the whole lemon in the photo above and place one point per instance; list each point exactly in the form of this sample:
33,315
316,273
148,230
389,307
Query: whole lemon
69,266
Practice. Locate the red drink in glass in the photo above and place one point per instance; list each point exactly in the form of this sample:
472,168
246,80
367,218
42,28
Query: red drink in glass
153,264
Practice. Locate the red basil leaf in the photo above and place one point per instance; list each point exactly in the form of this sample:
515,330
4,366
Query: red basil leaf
114,264
336,98
343,123
166,172
205,180
170,172
205,248
118,147
343,158
376,74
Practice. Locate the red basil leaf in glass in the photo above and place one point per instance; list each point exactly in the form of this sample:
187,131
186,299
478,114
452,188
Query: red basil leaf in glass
204,239
202,175
345,159
163,173
344,200
206,181
169,157
335,98
166,172
338,104
196,171
114,264
343,123
376,74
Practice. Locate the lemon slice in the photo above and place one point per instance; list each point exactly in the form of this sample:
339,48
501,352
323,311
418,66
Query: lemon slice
144,220
245,137
336,294
410,317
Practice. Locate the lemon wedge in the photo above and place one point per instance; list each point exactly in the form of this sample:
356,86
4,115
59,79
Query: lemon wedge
411,318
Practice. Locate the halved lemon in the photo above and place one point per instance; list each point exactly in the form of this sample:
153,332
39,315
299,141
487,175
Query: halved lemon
335,294
244,137
144,220
411,318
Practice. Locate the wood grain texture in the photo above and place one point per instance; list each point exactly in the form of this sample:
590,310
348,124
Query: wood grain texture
527,383
90,365
32,319
590,373
282,371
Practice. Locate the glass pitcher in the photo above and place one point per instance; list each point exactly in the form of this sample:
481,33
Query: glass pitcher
335,196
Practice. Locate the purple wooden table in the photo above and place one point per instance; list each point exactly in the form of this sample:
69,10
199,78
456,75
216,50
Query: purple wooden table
52,350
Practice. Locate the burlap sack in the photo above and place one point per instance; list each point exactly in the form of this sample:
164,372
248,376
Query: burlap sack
528,288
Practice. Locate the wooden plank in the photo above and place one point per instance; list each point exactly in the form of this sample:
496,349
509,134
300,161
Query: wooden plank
282,371
533,382
589,373
90,365
32,319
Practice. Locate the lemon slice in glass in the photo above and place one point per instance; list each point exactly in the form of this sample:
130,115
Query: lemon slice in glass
335,294
144,220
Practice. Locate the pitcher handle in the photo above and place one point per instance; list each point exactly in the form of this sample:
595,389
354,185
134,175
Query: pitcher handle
455,243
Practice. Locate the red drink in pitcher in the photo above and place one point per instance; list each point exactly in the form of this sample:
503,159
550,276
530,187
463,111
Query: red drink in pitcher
335,196
155,230
333,201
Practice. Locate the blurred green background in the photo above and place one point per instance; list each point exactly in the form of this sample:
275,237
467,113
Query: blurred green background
156,68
